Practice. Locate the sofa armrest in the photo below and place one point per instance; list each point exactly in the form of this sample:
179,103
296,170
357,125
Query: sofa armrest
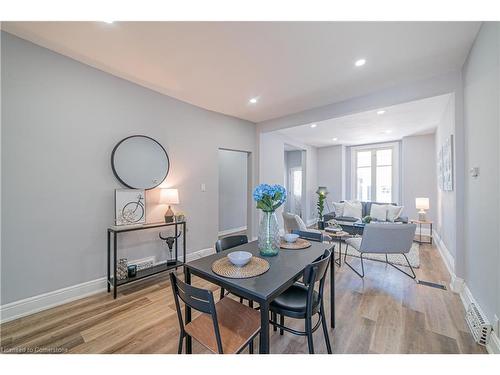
402,219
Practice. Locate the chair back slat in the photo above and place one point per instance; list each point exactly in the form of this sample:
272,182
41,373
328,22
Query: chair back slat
309,235
230,242
316,271
199,299
388,238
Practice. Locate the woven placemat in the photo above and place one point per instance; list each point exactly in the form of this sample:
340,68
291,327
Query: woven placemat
299,244
223,267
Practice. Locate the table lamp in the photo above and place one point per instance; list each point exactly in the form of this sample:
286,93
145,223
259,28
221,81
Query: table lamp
422,204
169,196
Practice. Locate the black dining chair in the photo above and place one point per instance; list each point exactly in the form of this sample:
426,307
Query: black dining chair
227,243
224,327
302,301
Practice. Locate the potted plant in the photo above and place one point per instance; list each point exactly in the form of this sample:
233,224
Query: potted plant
322,193
269,198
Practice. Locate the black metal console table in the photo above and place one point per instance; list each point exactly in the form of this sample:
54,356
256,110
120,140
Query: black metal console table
114,230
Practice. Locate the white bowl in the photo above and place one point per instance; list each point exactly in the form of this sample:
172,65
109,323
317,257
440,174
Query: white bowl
239,258
290,237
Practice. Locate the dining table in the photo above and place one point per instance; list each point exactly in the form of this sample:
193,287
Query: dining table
285,269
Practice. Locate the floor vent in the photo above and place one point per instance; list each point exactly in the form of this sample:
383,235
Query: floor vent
432,285
478,324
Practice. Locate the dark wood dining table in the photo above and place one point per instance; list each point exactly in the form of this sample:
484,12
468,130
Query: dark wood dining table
285,269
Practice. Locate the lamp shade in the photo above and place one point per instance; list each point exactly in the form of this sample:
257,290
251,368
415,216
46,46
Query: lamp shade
322,190
169,196
422,203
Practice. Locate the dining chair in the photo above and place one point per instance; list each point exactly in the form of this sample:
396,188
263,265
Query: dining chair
223,327
302,301
227,243
385,239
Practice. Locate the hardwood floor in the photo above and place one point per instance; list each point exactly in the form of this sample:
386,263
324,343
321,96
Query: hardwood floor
386,312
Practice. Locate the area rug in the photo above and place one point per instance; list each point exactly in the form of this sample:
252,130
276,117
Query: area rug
413,256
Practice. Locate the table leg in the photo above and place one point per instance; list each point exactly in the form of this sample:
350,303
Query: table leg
109,261
114,265
264,328
332,291
339,259
187,309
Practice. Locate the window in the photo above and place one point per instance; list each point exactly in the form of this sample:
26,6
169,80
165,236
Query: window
375,176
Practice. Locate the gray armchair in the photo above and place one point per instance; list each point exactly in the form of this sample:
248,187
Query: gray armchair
294,222
384,239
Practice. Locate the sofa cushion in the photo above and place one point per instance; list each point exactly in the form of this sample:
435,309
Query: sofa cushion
379,212
393,212
353,209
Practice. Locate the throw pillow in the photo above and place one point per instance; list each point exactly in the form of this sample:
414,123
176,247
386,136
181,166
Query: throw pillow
353,209
379,212
393,212
338,209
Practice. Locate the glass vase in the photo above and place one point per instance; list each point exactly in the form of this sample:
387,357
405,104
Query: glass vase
269,235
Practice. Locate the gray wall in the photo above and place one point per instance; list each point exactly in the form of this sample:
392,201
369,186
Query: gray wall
446,200
481,75
331,172
232,190
60,121
418,174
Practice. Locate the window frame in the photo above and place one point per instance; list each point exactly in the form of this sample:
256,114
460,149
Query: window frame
395,193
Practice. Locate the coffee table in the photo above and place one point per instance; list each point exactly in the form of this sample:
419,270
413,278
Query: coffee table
352,227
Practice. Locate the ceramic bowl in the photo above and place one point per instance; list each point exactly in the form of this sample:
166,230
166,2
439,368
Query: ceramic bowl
239,258
290,237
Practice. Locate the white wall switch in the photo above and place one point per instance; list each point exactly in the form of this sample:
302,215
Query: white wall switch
203,187
474,172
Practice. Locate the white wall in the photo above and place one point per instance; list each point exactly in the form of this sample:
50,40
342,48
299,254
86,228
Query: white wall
60,122
481,79
232,190
418,174
272,166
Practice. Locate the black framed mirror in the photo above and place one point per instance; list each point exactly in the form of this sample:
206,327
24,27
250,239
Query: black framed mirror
140,162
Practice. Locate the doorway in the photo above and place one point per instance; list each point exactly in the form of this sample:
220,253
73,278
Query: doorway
233,192
295,180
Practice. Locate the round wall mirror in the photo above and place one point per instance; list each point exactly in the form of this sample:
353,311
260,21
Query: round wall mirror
140,162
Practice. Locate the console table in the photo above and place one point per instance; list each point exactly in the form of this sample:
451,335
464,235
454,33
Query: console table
115,230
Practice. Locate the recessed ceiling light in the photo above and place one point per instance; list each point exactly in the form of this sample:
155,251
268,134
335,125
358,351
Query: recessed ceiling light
388,131
254,100
313,125
360,62
381,112
335,139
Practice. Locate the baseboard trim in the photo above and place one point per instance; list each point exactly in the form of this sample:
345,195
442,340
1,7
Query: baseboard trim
493,346
448,259
232,230
31,305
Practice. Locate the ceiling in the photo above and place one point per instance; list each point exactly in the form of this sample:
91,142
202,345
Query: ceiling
288,66
402,120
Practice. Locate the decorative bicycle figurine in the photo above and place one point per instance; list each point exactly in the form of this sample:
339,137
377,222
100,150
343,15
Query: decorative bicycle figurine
133,212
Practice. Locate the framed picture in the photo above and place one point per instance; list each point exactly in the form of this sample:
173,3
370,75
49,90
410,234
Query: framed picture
130,206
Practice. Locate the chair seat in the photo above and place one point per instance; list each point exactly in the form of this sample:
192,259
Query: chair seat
237,325
294,300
